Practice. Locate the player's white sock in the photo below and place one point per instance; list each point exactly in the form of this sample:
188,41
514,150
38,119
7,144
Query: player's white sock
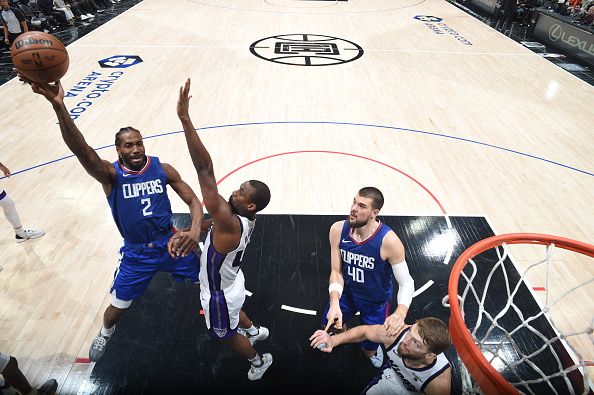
256,361
107,331
12,215
252,330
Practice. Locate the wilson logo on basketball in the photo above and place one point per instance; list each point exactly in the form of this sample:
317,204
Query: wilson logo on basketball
33,41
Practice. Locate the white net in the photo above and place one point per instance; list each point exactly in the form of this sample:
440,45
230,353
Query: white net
515,334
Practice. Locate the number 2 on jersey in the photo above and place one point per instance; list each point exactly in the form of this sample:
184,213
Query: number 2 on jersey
145,209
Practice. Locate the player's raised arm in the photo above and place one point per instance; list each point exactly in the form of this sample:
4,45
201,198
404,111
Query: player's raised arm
393,249
99,169
336,281
217,207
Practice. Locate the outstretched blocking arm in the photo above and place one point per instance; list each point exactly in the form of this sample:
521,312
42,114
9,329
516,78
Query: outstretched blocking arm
374,333
217,207
99,169
185,241
336,282
393,250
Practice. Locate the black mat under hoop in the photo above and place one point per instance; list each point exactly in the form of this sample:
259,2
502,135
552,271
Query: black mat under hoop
161,345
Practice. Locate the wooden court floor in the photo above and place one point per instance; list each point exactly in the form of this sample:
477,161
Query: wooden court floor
445,115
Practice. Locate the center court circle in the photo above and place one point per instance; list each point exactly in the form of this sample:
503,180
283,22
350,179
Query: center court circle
306,50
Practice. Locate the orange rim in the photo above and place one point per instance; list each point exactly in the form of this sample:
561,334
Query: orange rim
486,376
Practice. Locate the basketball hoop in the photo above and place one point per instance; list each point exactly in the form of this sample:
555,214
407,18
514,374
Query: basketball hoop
481,332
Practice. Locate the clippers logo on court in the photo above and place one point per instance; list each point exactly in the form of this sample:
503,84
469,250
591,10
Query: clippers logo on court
120,61
306,50
428,18
435,24
98,83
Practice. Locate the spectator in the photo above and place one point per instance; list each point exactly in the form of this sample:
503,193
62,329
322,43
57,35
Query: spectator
13,22
59,5
78,11
589,18
47,7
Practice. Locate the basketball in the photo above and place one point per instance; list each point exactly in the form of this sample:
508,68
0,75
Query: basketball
39,56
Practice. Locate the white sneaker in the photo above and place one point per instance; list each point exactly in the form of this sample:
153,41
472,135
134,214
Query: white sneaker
83,17
378,359
256,372
29,234
98,347
262,334
90,16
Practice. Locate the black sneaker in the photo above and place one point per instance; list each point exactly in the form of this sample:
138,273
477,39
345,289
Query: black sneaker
48,388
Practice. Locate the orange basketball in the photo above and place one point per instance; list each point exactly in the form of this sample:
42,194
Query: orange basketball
39,56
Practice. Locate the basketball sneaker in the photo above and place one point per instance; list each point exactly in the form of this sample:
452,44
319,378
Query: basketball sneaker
48,388
256,372
378,359
28,234
98,347
261,335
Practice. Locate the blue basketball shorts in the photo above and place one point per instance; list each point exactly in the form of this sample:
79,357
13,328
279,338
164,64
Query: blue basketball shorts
138,264
370,314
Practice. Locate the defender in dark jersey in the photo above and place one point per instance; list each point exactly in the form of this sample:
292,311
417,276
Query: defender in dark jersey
222,290
136,190
415,354
365,254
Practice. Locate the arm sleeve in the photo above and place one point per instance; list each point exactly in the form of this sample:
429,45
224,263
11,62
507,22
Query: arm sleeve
406,284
